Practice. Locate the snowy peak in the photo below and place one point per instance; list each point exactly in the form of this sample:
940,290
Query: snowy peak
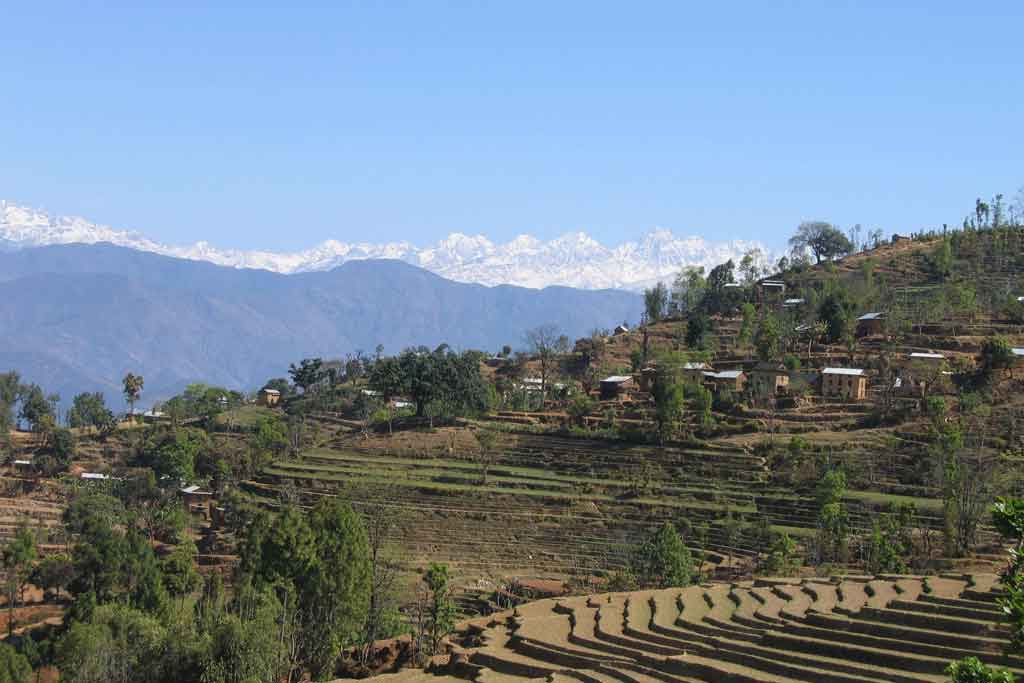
573,260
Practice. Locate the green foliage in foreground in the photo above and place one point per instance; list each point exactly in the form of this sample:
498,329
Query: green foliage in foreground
971,670
14,667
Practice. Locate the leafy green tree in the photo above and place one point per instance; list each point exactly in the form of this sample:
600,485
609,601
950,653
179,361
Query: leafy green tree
747,326
100,555
942,258
62,448
307,374
89,410
669,402
1008,519
822,239
35,409
780,559
890,544
321,564
244,640
688,290
996,354
271,437
178,570
836,311
578,409
768,338
132,386
52,573
173,452
833,522
10,390
717,297
14,666
703,402
118,645
437,606
18,555
662,560
752,265
697,328
202,401
334,593
656,302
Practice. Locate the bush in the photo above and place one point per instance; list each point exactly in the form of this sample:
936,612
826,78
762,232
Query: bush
971,670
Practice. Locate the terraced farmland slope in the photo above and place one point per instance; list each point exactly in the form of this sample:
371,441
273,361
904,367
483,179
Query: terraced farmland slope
556,505
849,630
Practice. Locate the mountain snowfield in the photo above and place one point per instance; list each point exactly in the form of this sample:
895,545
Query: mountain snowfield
573,260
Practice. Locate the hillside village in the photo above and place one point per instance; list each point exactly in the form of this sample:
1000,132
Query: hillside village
801,459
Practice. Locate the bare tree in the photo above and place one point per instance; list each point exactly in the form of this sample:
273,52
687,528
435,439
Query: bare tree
382,522
545,343
486,452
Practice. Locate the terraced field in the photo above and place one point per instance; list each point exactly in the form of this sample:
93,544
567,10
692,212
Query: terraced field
560,505
849,630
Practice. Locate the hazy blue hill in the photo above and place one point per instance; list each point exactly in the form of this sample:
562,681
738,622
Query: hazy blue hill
77,317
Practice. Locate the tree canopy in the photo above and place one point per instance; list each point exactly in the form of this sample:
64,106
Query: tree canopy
823,240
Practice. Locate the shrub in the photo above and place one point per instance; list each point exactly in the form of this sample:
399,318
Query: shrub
971,670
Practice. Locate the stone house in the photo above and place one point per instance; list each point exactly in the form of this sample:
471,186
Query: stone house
769,379
846,383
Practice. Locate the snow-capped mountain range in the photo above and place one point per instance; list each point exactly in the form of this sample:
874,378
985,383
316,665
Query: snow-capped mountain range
573,260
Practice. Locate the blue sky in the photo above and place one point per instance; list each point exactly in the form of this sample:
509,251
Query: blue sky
273,127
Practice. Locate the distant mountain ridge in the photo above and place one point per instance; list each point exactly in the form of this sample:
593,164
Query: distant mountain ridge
77,317
573,260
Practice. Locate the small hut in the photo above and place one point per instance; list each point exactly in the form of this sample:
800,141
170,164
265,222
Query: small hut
615,386
870,324
268,397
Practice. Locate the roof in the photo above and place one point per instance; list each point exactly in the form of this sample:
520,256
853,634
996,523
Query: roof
1017,351
856,372
403,404
93,475
726,374
190,489
22,462
932,356
773,283
774,368
732,284
794,302
872,316
696,365
616,379
270,391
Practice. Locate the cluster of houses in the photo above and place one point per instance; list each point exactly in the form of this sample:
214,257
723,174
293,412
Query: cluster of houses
763,380
919,369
